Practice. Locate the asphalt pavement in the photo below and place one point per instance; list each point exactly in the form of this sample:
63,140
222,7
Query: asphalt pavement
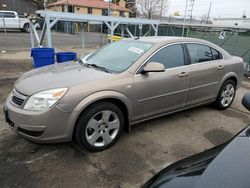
16,40
136,156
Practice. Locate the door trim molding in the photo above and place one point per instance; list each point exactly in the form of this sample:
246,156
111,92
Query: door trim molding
163,95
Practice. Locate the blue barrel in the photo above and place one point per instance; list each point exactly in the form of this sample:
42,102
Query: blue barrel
65,56
43,56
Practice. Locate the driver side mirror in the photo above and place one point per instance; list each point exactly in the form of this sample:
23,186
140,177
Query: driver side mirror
246,101
153,67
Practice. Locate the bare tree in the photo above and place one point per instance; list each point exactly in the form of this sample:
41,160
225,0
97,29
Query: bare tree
150,8
41,3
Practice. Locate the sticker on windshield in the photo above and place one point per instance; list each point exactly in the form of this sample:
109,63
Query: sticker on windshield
135,50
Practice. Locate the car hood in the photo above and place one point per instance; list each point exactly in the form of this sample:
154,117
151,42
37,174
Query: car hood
57,76
225,166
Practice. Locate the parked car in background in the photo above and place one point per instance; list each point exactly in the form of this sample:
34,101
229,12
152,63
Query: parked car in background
225,166
11,20
119,85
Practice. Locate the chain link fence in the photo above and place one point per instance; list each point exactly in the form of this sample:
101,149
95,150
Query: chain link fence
235,41
73,35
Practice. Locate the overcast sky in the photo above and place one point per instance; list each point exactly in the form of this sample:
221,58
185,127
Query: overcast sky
219,8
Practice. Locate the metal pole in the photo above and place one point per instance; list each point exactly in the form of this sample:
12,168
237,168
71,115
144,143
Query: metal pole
83,41
109,30
122,34
156,30
101,33
31,35
67,23
109,10
187,32
44,4
4,25
183,28
5,31
209,10
244,14
191,14
112,31
42,34
161,9
49,42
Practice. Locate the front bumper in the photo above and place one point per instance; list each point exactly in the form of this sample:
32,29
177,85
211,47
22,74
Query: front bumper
52,126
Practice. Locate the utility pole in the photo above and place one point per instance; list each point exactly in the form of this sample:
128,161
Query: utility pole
190,11
109,11
44,4
209,10
244,14
161,9
183,28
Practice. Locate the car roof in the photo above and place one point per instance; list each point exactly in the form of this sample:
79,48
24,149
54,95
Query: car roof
163,40
166,39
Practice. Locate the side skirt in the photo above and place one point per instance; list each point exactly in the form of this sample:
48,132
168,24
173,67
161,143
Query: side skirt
168,113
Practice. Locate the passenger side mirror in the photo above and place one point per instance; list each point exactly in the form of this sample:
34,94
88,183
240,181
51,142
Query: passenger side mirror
153,67
246,101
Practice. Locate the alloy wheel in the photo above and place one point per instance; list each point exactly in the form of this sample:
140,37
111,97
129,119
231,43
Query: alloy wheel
227,95
102,128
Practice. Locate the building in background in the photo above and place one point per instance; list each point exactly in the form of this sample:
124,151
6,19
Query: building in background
95,7
242,22
20,6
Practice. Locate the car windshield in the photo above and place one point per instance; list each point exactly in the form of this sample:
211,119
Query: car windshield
118,56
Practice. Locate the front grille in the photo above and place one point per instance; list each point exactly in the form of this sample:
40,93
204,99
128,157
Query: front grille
18,98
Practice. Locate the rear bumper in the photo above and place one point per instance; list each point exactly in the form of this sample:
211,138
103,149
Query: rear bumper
52,126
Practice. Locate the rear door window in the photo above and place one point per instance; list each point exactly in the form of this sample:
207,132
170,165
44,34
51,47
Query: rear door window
199,53
170,56
216,54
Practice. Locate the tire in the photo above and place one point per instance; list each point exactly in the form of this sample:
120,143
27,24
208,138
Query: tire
93,129
26,27
226,95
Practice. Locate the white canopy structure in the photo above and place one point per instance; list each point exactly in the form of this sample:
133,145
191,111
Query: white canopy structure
51,17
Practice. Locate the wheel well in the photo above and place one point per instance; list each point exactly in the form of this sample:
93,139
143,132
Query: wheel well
116,102
233,79
25,24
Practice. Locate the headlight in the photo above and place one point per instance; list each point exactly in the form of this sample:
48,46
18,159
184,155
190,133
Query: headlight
44,100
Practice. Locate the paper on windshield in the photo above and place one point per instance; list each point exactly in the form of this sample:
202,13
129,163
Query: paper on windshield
135,50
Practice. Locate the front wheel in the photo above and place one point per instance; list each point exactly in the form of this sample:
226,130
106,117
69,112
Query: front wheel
226,95
99,127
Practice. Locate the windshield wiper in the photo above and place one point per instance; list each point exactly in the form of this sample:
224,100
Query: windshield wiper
98,67
93,65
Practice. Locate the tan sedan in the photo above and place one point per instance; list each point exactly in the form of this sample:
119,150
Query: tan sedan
121,84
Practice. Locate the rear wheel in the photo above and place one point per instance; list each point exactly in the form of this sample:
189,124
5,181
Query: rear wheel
226,95
99,127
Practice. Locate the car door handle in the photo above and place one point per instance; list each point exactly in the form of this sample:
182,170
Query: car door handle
183,74
220,67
